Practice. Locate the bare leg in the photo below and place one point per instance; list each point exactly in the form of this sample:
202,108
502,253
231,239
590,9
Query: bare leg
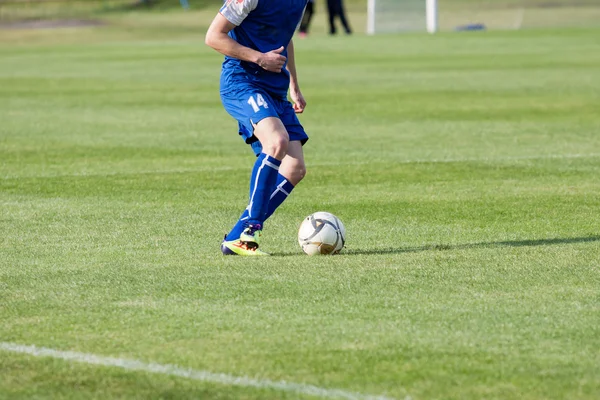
273,136
292,166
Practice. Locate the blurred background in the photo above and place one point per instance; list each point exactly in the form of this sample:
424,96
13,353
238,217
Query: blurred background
388,15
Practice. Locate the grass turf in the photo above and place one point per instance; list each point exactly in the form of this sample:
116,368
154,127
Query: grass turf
465,168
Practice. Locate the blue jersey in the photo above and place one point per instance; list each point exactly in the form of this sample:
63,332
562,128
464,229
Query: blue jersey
262,25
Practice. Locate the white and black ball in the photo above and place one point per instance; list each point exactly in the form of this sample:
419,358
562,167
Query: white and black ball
322,233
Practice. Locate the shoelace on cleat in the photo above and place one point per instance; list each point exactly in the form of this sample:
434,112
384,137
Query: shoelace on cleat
253,228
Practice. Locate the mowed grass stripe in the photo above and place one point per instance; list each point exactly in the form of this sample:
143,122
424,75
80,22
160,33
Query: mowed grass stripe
224,168
173,370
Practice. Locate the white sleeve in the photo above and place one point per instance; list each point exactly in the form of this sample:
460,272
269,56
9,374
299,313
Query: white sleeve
235,11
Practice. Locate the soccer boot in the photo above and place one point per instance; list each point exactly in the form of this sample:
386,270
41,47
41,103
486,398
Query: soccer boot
251,235
239,248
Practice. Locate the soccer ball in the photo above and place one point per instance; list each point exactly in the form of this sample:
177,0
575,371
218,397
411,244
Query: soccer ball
321,233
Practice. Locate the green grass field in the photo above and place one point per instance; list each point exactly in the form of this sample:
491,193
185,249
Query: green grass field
466,168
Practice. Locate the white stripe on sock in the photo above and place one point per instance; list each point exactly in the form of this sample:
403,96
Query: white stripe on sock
279,189
270,164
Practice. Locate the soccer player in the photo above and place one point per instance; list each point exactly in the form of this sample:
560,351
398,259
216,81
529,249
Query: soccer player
256,38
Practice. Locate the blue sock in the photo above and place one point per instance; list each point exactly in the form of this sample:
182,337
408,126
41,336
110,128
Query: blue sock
264,184
262,173
281,192
238,228
241,224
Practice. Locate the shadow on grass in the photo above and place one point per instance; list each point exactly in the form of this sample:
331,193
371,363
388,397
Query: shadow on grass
442,247
508,243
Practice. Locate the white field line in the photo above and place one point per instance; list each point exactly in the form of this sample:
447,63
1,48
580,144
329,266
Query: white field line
198,375
318,164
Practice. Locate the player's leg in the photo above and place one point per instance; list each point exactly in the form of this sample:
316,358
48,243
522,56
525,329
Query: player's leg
311,13
292,168
257,116
343,20
274,139
331,10
291,172
304,23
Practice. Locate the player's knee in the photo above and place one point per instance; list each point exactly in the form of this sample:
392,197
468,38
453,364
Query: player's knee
276,146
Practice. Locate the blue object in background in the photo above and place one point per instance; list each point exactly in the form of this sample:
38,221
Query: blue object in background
471,27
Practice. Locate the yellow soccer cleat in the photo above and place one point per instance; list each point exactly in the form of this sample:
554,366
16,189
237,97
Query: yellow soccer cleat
239,248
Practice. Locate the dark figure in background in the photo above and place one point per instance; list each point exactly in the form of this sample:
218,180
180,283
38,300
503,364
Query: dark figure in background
309,11
335,8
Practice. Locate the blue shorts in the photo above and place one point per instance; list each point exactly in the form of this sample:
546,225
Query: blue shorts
250,105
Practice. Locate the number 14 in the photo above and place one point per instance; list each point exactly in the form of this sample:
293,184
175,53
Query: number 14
259,102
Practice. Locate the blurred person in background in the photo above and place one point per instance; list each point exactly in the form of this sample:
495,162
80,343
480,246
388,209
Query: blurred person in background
306,18
335,8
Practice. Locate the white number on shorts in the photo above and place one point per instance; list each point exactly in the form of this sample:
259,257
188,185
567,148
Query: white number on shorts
259,102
